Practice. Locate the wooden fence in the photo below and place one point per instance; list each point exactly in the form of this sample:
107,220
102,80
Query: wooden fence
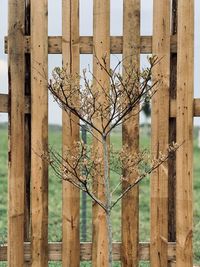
173,109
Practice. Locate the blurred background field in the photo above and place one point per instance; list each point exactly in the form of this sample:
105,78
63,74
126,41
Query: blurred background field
55,195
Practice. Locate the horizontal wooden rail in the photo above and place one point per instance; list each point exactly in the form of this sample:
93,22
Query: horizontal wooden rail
86,251
4,106
3,103
86,44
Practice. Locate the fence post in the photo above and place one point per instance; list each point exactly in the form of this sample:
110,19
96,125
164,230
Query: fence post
71,134
184,122
16,181
160,134
101,25
39,132
130,136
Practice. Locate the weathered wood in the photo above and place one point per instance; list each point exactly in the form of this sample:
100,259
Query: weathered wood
70,131
160,134
39,138
130,137
55,251
184,163
19,104
86,44
4,103
172,135
101,49
4,106
16,178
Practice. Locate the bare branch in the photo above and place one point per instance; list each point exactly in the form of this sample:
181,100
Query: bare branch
158,162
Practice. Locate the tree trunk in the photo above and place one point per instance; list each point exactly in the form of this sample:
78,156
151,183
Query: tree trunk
108,198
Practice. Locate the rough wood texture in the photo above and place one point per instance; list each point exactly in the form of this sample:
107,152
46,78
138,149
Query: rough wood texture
184,164
21,104
86,44
55,251
70,194
39,138
4,106
4,103
130,137
16,178
101,48
160,134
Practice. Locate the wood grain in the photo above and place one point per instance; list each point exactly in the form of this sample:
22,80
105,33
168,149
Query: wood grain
39,134
160,134
4,106
101,49
86,44
16,176
55,251
184,164
130,137
70,135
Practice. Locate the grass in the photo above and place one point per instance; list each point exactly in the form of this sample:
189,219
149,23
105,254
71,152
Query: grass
55,189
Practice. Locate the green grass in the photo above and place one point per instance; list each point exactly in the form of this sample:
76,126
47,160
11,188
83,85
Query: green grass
55,196
3,183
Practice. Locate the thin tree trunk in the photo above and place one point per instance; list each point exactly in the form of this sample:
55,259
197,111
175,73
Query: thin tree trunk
108,199
109,229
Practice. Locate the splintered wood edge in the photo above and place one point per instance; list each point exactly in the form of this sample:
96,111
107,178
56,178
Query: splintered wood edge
55,250
4,106
86,44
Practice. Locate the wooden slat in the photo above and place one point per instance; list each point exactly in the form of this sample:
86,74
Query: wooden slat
184,164
16,134
160,134
86,44
4,102
130,136
55,251
101,29
39,138
70,195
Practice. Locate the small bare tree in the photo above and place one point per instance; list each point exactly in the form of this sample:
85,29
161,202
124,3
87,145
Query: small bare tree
102,109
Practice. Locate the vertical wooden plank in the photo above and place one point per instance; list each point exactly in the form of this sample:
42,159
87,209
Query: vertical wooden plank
101,31
172,136
70,194
39,138
130,136
185,84
16,134
160,134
